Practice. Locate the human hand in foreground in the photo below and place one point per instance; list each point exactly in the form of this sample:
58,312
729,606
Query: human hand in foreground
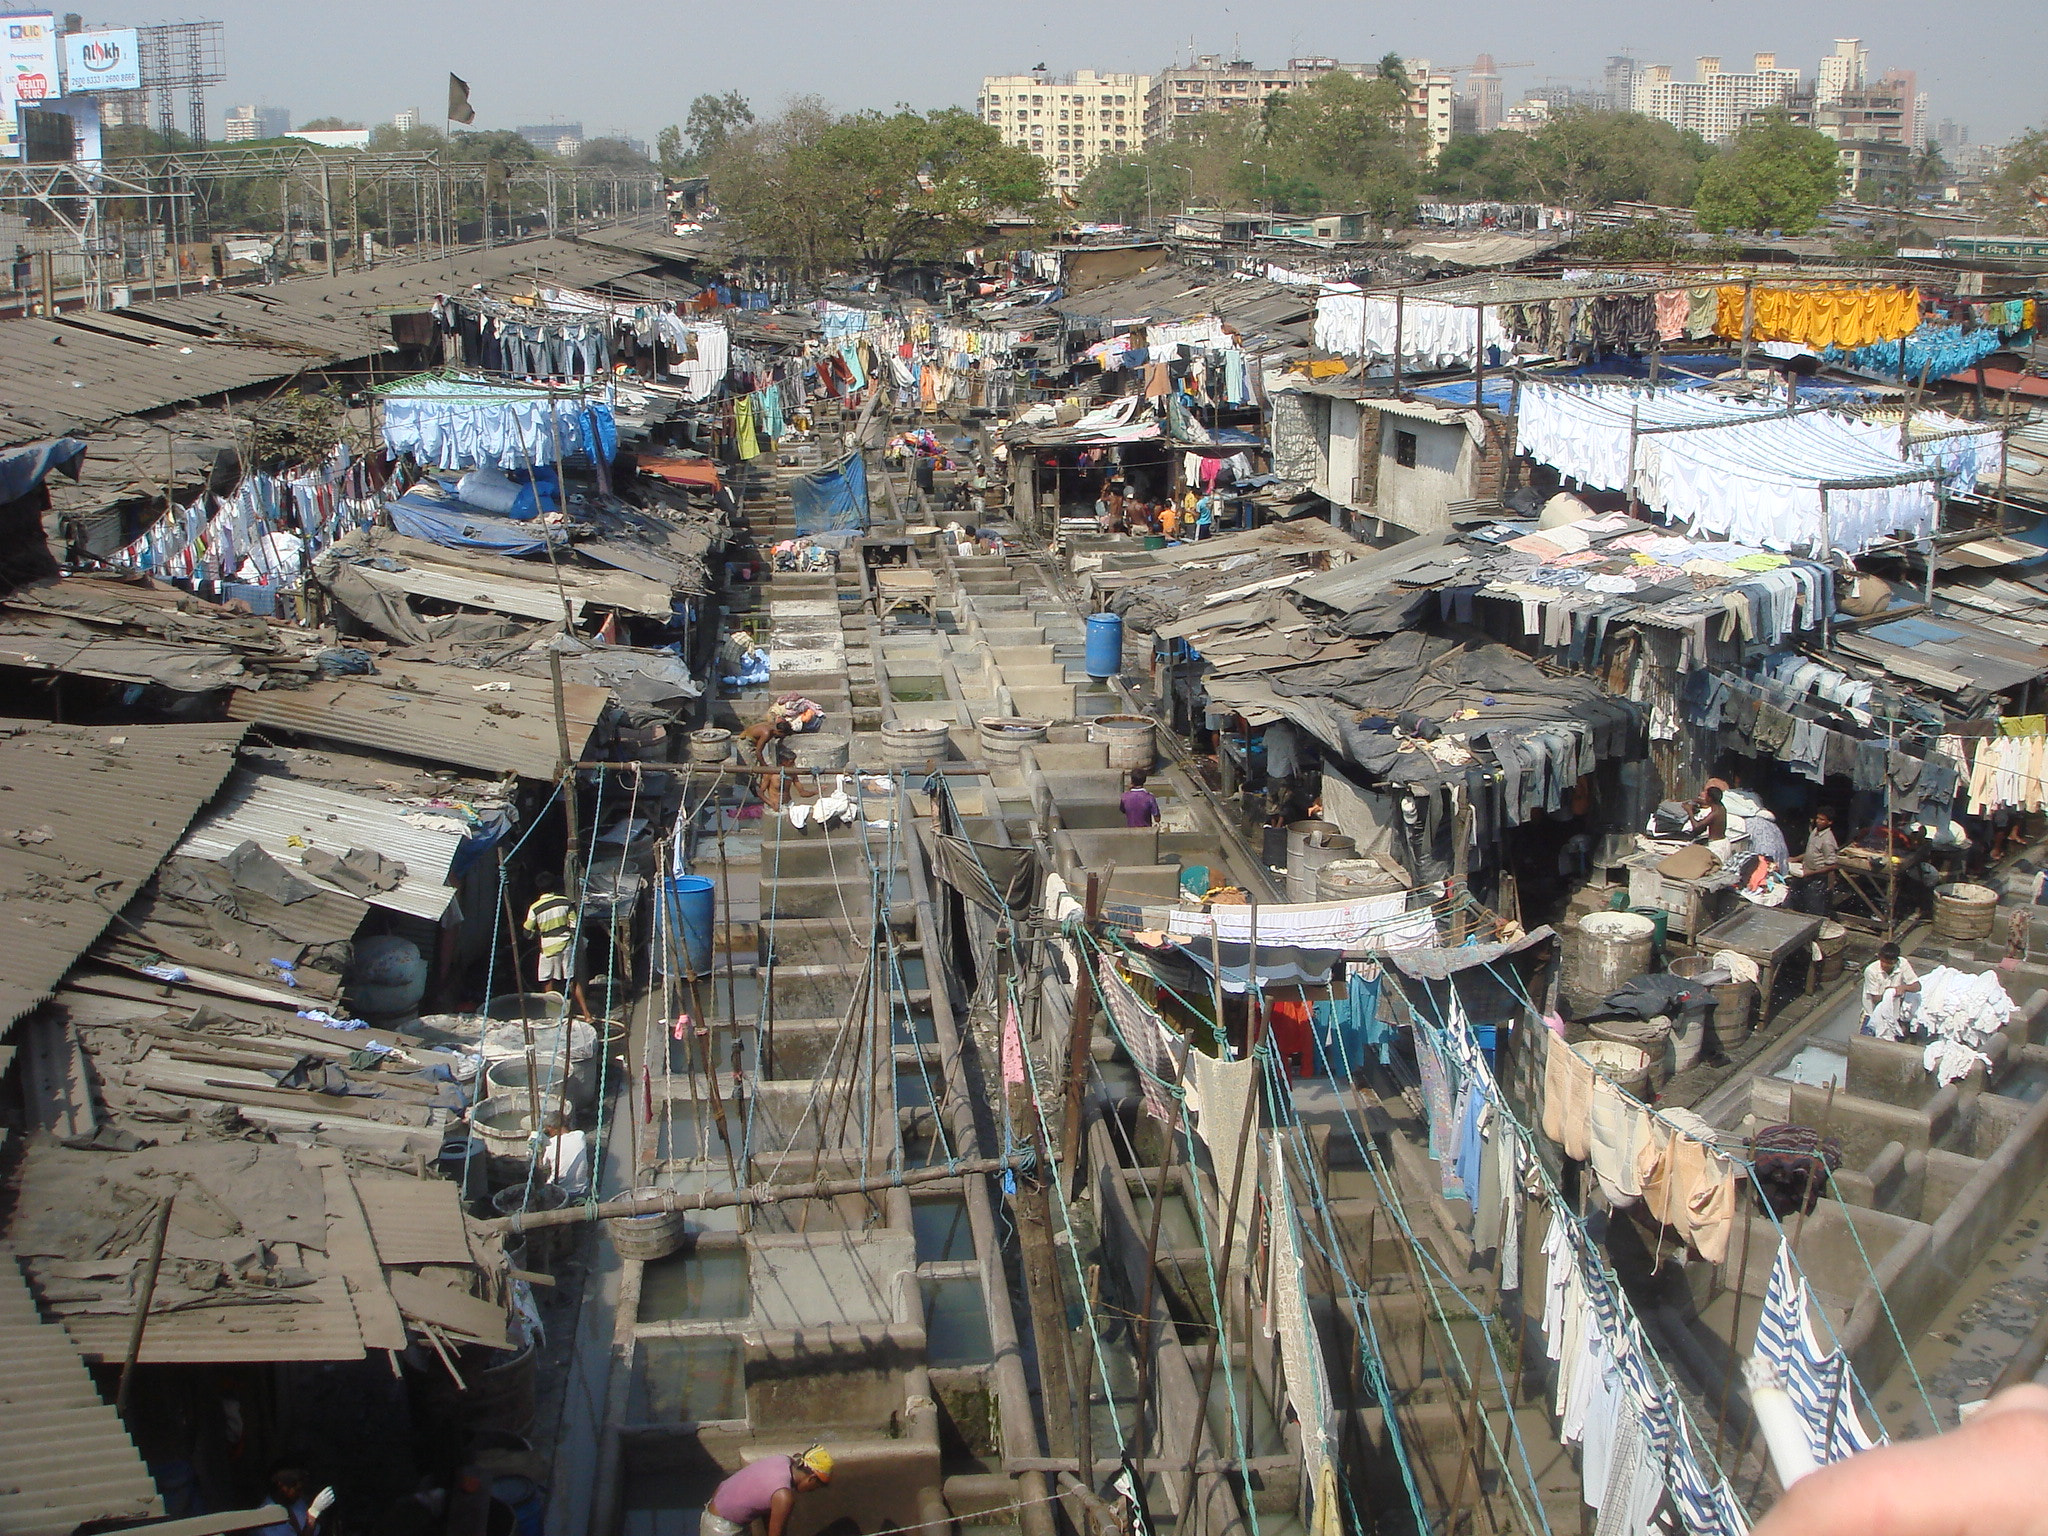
1984,1479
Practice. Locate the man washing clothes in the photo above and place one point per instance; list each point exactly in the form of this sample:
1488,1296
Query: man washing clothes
765,1491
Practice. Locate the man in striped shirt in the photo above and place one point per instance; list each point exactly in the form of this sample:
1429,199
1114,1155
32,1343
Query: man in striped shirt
552,919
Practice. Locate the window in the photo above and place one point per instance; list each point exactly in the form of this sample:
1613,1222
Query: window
1404,449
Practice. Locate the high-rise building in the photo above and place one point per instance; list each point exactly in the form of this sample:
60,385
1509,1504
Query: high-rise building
1715,102
1618,83
1483,89
246,123
1180,94
1068,121
407,120
1846,69
553,138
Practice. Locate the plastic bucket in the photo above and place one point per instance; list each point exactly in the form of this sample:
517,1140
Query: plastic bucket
693,909
1104,653
913,743
1129,739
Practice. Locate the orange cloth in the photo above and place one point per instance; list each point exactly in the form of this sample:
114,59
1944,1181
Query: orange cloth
1686,1184
1567,1098
1834,315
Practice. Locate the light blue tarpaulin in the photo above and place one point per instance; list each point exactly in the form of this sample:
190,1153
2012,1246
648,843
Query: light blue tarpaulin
833,499
422,513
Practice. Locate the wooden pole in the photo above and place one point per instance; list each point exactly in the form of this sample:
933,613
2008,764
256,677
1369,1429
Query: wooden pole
1080,1039
142,1303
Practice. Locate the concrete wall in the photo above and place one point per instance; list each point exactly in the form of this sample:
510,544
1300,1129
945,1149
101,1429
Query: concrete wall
1416,497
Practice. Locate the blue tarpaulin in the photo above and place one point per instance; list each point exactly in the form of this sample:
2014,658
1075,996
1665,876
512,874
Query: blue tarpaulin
423,514
833,499
23,469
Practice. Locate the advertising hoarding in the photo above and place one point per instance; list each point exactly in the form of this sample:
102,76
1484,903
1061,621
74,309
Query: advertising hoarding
103,61
28,70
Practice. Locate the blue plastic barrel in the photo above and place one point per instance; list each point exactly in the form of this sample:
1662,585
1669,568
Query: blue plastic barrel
1105,657
691,909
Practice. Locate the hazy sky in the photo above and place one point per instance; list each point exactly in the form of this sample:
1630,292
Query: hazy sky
633,65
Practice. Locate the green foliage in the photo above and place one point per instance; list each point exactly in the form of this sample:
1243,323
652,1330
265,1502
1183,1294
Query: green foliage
612,154
328,125
669,152
496,146
1351,140
1643,240
1588,159
2018,194
1485,168
1774,175
869,190
712,122
386,137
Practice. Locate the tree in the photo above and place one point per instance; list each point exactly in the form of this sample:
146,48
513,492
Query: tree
498,146
1589,159
712,122
2018,194
1485,168
669,152
328,125
1773,175
1352,140
869,190
613,155
388,136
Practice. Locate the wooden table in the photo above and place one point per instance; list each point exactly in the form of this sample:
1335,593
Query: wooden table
1768,935
906,591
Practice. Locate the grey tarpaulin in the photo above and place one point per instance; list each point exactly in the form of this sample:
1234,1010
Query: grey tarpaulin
989,875
1280,965
1436,964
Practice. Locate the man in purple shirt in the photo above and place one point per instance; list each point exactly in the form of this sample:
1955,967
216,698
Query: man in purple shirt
1141,806
765,1490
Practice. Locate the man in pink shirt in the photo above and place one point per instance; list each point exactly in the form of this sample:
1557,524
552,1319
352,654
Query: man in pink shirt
765,1490
1140,805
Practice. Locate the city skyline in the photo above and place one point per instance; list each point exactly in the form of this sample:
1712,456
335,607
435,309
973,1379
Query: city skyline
916,54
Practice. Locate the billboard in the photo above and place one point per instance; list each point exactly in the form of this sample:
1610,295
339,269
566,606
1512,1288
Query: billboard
28,70
103,61
70,126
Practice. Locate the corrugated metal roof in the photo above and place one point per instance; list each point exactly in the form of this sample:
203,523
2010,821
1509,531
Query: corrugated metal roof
90,813
437,714
56,377
84,371
65,1457
529,588
414,1221
288,818
319,1323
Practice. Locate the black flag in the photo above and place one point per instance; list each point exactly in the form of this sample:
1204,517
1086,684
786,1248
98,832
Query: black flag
459,109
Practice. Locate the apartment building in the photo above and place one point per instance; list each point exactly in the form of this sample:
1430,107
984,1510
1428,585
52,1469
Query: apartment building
244,124
1715,103
1846,69
1068,121
1214,84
